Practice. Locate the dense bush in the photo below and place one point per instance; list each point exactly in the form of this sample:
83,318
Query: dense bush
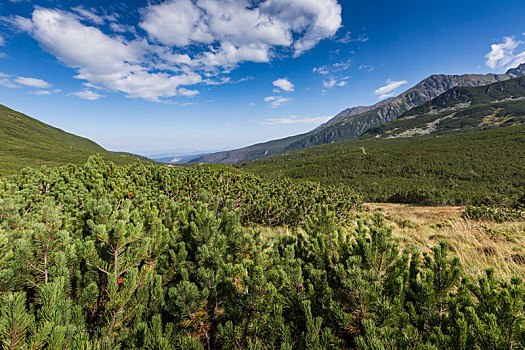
101,257
497,214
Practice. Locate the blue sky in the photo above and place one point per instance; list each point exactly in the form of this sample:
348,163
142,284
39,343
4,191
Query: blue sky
181,75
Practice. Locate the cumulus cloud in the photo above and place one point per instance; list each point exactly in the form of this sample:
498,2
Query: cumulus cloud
293,119
33,82
503,55
387,90
240,29
187,42
86,95
284,84
276,101
103,60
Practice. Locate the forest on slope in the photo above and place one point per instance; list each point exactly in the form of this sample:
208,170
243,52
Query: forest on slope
103,256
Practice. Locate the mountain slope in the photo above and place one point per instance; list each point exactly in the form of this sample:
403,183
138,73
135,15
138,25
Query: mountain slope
460,148
353,122
29,142
480,167
461,109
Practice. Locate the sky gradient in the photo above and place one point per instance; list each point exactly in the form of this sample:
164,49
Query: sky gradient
180,75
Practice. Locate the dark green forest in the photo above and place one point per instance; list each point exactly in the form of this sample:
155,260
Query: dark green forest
475,168
143,256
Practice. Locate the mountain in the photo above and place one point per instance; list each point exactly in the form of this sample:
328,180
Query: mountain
458,148
27,142
353,122
461,109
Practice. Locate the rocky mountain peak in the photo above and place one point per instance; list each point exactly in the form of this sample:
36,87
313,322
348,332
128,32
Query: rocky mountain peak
517,72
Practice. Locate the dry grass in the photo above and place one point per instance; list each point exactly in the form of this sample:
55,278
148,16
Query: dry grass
478,244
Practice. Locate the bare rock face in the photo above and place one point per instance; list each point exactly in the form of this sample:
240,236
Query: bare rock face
353,122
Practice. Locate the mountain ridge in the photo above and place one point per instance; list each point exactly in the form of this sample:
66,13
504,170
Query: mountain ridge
461,109
353,122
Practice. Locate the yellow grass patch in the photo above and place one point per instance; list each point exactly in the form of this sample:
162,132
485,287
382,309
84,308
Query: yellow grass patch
478,244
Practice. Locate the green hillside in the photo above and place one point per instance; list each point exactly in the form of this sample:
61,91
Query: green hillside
29,142
461,109
472,168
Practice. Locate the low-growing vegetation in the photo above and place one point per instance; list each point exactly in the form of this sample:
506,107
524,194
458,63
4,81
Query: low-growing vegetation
476,168
144,256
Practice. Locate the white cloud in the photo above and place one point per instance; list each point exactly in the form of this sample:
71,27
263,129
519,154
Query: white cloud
33,82
297,120
188,42
2,41
122,28
188,93
348,38
276,101
86,95
102,60
13,81
333,68
88,14
503,55
241,30
383,96
386,90
366,67
330,83
6,82
323,70
42,92
330,72
284,84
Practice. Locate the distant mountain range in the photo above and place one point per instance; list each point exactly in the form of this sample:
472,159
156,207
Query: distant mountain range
354,122
465,146
27,142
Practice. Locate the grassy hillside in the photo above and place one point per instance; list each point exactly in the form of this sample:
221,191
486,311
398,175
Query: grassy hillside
29,142
472,168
